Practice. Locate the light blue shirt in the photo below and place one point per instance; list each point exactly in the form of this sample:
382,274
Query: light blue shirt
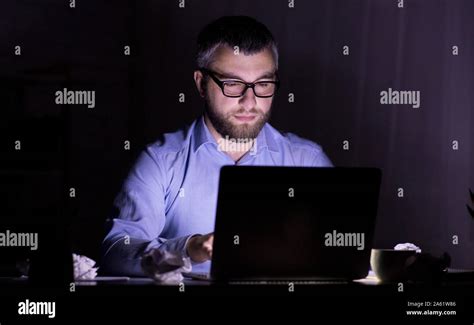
171,191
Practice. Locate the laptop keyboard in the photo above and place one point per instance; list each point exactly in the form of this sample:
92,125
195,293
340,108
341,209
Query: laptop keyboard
287,282
206,276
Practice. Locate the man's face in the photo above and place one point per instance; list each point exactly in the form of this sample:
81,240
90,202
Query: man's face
242,117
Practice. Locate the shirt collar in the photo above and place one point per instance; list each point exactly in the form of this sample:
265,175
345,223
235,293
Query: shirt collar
202,136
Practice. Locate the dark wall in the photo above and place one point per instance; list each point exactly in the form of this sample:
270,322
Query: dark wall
337,98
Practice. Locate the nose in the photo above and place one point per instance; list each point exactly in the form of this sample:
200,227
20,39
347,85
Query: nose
248,100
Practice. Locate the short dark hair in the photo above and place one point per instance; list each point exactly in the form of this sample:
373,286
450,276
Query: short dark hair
245,32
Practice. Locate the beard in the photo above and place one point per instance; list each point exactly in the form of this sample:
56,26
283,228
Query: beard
245,131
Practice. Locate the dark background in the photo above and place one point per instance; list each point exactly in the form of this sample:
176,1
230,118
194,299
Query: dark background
336,99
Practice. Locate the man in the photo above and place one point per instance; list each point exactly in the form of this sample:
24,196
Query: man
169,198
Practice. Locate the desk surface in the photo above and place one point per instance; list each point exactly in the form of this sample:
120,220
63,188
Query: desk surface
132,298
454,278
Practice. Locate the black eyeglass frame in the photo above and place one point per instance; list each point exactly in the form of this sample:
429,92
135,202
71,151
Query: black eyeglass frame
252,85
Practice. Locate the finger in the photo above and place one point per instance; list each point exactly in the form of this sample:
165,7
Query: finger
210,242
210,239
207,246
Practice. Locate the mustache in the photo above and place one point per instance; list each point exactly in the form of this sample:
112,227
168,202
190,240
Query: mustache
252,111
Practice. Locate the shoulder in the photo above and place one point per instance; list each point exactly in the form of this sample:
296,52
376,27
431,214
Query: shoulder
159,156
304,151
170,143
289,140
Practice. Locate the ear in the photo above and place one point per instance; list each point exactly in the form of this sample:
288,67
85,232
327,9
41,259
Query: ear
198,80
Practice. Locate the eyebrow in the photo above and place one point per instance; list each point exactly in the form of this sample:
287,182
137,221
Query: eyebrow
230,75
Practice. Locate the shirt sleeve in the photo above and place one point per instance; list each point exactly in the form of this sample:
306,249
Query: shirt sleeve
137,219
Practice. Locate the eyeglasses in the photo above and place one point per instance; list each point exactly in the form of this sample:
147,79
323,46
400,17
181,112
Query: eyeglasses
236,88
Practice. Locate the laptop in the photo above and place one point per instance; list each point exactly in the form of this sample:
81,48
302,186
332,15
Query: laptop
294,223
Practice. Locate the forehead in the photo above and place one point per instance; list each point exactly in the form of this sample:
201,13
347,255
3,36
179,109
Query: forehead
226,61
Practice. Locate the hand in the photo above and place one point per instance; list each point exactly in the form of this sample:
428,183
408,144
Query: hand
199,247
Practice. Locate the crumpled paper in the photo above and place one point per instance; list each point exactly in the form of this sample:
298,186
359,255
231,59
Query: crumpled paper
84,267
407,247
165,267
